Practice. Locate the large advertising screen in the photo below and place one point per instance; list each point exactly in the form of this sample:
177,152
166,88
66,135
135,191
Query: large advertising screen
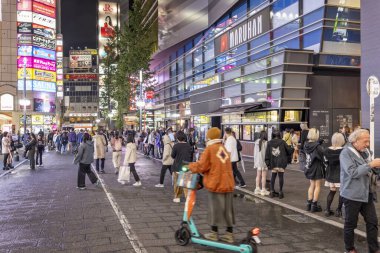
43,20
80,61
43,31
29,73
108,21
44,105
44,9
44,53
44,64
40,41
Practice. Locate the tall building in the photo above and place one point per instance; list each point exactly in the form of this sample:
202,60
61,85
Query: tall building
258,65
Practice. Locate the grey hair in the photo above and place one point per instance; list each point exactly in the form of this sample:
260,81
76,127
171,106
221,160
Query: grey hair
303,126
355,135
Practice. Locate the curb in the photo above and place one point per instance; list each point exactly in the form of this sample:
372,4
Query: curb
11,170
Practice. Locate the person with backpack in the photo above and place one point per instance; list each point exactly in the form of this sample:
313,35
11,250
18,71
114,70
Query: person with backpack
40,150
167,160
259,163
231,145
314,169
276,158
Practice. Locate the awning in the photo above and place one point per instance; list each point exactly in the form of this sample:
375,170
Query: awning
240,109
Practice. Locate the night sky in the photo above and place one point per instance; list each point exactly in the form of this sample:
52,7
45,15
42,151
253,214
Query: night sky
79,20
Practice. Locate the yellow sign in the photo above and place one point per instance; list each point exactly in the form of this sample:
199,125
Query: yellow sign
43,75
37,119
60,82
29,73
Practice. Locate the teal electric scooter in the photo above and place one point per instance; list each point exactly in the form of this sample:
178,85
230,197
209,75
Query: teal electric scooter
189,232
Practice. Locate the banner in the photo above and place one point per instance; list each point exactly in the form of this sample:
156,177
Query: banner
29,73
43,42
25,50
20,84
84,52
51,3
24,16
43,53
108,21
43,9
44,86
81,76
37,119
24,5
24,27
20,61
43,20
44,31
24,39
44,64
43,75
80,61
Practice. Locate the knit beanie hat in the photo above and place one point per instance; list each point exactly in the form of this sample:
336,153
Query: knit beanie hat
213,133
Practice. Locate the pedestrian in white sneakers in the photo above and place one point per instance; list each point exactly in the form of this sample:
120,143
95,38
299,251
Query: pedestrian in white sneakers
116,144
131,157
260,165
167,160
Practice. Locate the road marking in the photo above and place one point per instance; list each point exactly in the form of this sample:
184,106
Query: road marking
12,170
136,244
295,209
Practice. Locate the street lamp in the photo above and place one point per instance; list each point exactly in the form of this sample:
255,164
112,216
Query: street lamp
140,103
25,103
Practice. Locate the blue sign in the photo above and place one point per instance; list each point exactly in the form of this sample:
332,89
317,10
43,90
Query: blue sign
20,84
44,53
25,51
37,85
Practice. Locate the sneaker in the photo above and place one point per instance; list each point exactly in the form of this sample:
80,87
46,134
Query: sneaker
102,171
243,186
138,183
257,191
176,200
81,188
98,184
264,192
159,185
212,236
228,237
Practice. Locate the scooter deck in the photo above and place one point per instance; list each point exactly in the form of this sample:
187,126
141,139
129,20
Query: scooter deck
238,247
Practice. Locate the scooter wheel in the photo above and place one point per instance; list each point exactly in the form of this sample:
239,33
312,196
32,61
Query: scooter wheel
182,236
254,247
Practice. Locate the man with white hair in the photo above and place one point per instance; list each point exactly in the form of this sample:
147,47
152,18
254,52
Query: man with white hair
358,184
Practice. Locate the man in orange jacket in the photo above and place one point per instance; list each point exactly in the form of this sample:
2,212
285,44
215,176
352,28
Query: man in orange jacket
218,179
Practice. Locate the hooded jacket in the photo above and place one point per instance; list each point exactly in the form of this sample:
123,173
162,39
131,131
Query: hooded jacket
168,147
277,153
314,156
85,153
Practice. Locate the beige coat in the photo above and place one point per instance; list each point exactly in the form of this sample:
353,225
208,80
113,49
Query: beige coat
99,146
130,153
168,147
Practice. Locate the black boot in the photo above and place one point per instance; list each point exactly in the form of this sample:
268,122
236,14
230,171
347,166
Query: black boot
280,195
338,212
273,194
328,213
308,205
315,207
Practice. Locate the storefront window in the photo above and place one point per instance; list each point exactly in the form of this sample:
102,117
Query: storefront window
342,14
292,116
247,132
201,124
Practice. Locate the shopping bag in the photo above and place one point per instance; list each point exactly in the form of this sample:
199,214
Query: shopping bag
124,174
187,180
242,165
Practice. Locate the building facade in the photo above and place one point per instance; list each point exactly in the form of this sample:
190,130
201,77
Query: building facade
265,65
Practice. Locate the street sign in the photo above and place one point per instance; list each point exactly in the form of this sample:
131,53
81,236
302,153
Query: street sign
373,90
373,86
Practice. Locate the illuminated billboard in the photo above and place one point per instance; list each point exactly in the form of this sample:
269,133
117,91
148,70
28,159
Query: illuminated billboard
108,21
43,20
24,16
44,64
44,9
40,41
51,3
43,75
44,53
80,61
24,5
43,31
24,27
25,50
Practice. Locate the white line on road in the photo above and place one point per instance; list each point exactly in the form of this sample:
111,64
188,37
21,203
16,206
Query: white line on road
136,244
11,171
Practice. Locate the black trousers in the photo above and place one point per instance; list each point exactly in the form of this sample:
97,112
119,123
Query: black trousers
150,148
133,171
39,154
368,211
82,171
164,168
5,162
101,165
237,174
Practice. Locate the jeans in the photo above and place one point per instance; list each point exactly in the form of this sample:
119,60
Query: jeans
101,165
82,171
5,162
39,154
163,172
133,171
237,174
63,148
150,148
368,211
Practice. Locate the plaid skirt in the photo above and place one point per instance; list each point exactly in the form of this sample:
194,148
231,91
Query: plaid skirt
221,209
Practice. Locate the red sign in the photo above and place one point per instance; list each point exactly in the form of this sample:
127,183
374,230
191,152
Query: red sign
44,10
149,94
51,3
81,76
24,5
59,49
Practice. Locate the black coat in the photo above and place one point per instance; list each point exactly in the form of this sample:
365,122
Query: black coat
180,152
315,166
331,158
277,153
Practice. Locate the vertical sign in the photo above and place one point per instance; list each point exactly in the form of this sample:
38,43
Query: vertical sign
59,66
107,23
373,89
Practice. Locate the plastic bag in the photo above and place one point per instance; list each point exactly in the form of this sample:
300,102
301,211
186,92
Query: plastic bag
124,174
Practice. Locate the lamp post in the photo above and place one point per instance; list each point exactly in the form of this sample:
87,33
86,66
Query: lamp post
141,102
24,60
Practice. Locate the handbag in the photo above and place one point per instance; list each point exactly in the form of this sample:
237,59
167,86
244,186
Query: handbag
124,174
187,180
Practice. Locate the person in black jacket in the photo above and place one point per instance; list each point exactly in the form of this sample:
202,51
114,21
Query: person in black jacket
191,140
181,152
276,158
302,140
331,158
31,148
40,150
314,169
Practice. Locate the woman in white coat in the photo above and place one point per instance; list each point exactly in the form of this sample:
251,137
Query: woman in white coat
99,150
259,163
131,157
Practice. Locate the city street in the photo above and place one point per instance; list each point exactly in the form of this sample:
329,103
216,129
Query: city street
43,211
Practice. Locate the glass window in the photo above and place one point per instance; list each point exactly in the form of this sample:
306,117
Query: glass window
341,35
309,6
209,51
313,17
180,51
241,55
247,132
294,116
288,28
209,68
312,40
348,3
180,66
222,24
284,11
342,13
232,91
340,60
209,33
189,64
255,3
198,56
239,11
293,44
198,73
188,46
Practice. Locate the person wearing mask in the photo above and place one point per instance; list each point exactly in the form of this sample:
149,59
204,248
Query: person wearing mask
331,159
260,165
314,170
30,147
116,145
6,145
85,158
99,150
302,140
276,159
40,150
72,140
358,189
218,179
64,141
231,146
131,157
181,153
167,160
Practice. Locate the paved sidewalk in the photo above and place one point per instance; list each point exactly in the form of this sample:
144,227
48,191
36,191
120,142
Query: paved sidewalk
42,211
